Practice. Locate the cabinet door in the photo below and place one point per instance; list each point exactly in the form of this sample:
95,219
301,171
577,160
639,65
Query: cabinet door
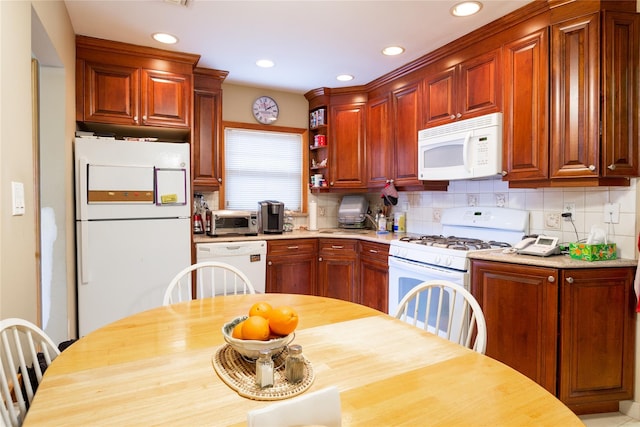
347,165
439,98
407,112
520,305
575,97
204,147
480,84
620,87
111,94
526,108
337,272
374,275
379,142
166,99
597,337
292,266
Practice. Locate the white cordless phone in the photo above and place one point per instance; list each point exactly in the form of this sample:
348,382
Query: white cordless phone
540,246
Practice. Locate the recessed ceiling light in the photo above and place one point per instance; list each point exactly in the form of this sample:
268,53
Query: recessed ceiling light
466,8
265,63
392,50
165,38
345,77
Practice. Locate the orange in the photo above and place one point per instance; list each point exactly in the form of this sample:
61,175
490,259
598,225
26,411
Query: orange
261,308
255,328
283,320
237,331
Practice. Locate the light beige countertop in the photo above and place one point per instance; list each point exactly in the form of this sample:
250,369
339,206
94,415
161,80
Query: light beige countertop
329,233
554,261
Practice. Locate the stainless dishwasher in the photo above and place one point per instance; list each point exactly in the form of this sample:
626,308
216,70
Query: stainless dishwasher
248,256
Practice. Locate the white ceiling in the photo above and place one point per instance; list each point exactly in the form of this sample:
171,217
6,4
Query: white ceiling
311,41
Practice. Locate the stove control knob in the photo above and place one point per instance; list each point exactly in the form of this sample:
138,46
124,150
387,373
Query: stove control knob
448,261
437,259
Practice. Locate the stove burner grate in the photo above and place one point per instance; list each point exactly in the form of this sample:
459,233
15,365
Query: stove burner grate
454,242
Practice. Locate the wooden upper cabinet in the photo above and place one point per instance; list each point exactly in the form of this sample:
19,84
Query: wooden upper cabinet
407,111
347,162
207,127
123,84
575,95
165,99
620,89
392,138
379,142
468,89
525,154
112,94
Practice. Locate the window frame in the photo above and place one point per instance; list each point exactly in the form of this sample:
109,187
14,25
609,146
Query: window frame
304,133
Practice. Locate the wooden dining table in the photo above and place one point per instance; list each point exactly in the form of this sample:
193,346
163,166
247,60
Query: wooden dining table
155,368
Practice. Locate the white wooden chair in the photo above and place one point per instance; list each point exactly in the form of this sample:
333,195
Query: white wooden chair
451,310
20,343
212,278
318,408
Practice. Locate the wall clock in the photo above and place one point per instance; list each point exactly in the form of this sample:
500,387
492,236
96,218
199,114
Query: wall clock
265,110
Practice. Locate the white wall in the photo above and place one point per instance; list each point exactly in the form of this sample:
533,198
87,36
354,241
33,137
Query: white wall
18,257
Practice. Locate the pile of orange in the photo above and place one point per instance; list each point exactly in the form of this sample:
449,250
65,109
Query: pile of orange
266,322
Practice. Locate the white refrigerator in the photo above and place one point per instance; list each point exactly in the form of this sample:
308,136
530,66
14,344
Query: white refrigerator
133,225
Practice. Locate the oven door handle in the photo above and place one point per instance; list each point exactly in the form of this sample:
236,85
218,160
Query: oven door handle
421,269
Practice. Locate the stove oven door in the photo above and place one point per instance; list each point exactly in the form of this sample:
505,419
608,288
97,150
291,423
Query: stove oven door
404,275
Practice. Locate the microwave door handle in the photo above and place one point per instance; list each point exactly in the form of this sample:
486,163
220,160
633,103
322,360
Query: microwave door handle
465,152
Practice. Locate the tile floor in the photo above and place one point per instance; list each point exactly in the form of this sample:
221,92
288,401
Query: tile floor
612,419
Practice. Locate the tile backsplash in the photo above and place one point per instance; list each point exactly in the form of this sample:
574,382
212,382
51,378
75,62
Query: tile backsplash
545,206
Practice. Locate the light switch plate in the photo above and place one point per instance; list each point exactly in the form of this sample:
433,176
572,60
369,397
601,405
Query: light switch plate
17,198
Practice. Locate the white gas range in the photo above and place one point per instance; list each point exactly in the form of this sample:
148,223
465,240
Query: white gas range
416,259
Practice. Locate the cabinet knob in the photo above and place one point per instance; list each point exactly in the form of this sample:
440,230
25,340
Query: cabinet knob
220,180
135,119
592,168
320,259
452,116
458,115
612,167
331,183
569,279
144,118
269,263
504,173
551,279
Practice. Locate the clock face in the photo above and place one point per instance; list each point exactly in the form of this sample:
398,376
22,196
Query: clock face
265,110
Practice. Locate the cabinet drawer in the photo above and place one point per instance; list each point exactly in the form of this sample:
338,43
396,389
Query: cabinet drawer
378,252
291,246
338,246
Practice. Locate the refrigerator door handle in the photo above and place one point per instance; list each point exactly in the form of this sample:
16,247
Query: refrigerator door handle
84,172
84,253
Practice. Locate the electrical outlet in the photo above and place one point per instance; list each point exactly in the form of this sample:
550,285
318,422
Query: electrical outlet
612,213
322,212
500,200
472,200
569,208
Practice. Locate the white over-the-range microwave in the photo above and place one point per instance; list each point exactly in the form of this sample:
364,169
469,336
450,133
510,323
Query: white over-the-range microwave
466,149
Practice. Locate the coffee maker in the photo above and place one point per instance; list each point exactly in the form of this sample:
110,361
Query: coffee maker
270,217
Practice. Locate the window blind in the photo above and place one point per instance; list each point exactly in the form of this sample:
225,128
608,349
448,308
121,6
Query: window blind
262,165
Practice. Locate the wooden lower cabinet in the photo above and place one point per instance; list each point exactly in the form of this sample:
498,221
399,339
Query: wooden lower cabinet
570,330
374,275
596,363
292,266
349,269
338,269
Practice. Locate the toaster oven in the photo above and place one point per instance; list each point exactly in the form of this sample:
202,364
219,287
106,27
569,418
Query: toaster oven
231,222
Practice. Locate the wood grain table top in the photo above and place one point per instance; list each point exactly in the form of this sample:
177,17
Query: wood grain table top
154,368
